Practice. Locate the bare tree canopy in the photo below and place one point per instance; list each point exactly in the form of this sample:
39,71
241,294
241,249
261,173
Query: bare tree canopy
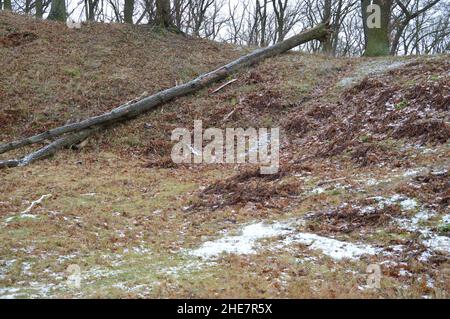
405,26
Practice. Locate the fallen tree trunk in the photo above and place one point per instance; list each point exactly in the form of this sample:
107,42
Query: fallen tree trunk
135,108
50,149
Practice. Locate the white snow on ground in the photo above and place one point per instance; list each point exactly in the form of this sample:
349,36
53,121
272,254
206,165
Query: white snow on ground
32,290
439,243
413,172
404,202
333,248
9,293
318,190
246,242
413,224
432,241
409,204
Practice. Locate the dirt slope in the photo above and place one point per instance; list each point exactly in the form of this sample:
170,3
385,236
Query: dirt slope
363,181
52,74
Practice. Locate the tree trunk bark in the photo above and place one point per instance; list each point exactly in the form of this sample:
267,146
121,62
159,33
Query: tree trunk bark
377,38
327,47
58,11
135,108
163,13
7,5
398,34
39,9
128,11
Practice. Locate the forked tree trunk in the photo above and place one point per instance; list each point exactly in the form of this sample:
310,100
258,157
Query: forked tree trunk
77,132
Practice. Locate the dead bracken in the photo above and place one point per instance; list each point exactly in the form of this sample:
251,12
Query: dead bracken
249,186
17,38
353,216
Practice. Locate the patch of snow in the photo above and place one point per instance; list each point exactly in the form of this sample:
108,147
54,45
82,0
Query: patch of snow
31,290
429,281
367,209
404,273
441,171
26,269
5,266
404,202
438,243
305,259
425,256
428,150
318,190
422,216
412,172
141,250
240,244
432,241
246,242
185,268
64,258
333,248
409,204
9,293
372,182
413,224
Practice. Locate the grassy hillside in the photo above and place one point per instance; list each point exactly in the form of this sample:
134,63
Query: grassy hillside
364,172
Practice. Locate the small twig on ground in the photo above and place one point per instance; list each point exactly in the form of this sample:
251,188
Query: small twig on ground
230,114
35,202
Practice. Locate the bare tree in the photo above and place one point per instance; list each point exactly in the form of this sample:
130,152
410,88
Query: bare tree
406,17
236,22
406,26
90,9
279,7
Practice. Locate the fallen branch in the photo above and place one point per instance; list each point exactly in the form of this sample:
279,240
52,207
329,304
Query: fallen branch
135,108
223,86
50,149
35,202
